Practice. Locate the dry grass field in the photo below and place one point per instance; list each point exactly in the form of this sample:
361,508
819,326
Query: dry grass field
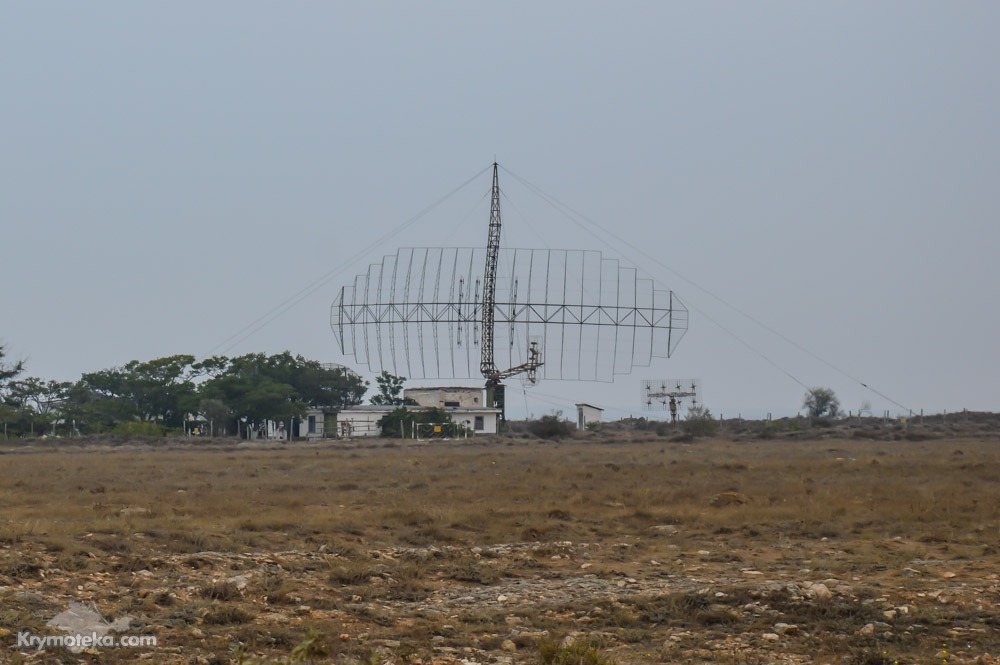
606,548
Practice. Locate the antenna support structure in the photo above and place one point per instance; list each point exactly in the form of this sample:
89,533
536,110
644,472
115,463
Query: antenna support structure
495,394
671,394
422,311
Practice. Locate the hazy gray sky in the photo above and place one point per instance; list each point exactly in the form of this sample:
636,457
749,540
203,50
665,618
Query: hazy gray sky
172,171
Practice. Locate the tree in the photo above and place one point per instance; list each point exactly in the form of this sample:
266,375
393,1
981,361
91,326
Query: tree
278,387
37,401
37,394
9,415
323,385
401,421
390,388
154,390
700,422
253,390
551,426
91,410
819,402
8,370
218,415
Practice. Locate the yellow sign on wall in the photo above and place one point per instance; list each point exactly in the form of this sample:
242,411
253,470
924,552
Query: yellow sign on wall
437,429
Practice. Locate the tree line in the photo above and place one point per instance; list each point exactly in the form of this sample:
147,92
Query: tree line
156,396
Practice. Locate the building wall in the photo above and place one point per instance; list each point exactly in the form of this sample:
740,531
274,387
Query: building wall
348,423
490,419
444,397
586,413
355,424
362,421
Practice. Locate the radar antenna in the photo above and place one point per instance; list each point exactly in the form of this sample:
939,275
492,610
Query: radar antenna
420,311
671,394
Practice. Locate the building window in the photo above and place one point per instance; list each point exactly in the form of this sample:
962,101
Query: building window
479,424
312,424
452,404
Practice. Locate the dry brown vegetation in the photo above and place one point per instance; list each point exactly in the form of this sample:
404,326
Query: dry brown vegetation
598,549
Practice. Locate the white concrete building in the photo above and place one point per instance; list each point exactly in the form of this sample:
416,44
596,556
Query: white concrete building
347,423
463,405
587,413
444,397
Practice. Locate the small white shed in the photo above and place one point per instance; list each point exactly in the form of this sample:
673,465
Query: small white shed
587,413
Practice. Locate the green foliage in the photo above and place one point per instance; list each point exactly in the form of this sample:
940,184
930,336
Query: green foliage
278,387
218,413
37,394
551,426
92,410
140,428
11,420
154,390
699,422
310,649
404,420
390,389
8,370
165,391
29,403
819,402
577,653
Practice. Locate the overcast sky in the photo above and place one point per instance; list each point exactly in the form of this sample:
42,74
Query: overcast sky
170,172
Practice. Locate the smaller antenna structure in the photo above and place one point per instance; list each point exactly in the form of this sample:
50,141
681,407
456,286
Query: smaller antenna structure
672,395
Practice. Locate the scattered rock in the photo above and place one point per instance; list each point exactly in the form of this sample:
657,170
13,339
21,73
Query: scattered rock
668,529
80,619
27,597
239,581
819,591
133,510
729,499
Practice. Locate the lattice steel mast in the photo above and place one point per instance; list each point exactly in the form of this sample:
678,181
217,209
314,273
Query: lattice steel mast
487,365
494,388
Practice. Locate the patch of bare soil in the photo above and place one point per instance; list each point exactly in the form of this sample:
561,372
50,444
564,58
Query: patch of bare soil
597,550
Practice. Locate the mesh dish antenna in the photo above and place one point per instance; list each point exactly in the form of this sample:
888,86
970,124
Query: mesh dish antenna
439,312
